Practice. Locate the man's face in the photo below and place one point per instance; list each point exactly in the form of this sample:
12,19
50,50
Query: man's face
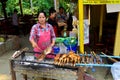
61,10
53,14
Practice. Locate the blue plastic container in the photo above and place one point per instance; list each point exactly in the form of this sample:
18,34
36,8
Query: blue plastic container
73,48
56,49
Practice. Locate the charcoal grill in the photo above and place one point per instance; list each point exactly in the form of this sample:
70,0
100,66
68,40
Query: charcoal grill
26,64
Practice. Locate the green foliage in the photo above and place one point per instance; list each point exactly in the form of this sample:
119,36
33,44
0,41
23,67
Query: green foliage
11,5
1,10
37,6
68,5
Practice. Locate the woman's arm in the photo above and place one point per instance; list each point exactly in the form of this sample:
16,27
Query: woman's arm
32,37
53,43
53,37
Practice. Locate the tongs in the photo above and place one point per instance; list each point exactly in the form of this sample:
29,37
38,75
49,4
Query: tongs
19,52
44,53
47,50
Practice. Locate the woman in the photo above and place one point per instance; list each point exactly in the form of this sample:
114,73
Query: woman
61,19
42,35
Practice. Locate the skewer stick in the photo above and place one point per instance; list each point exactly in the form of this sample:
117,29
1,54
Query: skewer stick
94,54
98,59
114,60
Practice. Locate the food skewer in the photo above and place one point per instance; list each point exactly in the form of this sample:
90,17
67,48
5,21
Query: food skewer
114,60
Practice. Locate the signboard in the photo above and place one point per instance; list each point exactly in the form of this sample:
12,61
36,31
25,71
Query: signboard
101,2
113,8
86,31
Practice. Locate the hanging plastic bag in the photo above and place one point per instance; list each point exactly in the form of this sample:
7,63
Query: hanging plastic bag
115,70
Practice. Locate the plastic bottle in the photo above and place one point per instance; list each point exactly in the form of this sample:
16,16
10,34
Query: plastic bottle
73,33
63,48
64,32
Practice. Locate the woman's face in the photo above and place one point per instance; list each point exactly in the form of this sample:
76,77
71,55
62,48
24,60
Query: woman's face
41,18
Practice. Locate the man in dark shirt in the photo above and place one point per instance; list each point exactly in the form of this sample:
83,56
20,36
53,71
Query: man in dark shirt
52,20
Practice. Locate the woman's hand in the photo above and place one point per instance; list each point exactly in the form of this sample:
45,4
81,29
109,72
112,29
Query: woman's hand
34,44
52,45
61,24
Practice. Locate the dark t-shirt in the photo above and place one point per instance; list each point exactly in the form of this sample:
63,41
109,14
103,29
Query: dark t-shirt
52,22
55,26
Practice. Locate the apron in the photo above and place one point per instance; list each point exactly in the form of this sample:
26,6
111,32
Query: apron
43,41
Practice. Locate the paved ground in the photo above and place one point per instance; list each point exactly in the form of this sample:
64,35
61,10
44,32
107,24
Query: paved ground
99,73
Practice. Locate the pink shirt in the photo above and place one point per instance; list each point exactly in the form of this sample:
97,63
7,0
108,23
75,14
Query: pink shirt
35,31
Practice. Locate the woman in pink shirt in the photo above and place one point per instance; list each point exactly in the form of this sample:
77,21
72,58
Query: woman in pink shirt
42,34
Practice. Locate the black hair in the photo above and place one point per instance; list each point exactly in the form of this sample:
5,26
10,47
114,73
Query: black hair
61,7
15,10
52,10
42,12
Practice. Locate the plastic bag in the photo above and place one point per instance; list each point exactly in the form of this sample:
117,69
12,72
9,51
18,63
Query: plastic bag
115,70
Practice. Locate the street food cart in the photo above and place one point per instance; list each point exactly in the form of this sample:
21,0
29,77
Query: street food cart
23,61
46,68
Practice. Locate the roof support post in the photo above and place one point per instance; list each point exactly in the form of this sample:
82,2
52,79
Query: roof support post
81,27
117,38
101,23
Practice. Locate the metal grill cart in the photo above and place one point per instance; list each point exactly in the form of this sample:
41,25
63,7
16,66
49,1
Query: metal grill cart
25,63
